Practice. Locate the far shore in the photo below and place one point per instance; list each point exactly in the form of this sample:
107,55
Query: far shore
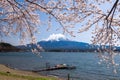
7,73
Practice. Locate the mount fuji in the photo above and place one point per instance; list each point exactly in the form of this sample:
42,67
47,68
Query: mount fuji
59,43
64,45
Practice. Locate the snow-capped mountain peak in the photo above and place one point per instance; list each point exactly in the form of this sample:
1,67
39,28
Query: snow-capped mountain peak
56,37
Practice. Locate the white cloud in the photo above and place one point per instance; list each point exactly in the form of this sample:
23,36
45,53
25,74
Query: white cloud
56,37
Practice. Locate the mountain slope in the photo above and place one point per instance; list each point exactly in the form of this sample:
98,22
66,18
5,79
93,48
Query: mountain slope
6,47
66,46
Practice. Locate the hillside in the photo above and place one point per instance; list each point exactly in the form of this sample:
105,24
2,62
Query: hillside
62,46
65,46
6,47
59,43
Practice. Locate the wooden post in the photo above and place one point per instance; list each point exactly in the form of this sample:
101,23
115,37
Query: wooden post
47,66
68,77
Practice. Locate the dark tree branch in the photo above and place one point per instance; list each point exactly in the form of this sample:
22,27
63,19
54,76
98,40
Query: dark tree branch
115,4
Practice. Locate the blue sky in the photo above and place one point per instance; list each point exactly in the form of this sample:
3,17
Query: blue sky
44,34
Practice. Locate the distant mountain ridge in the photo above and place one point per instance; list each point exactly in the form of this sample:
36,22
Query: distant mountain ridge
65,45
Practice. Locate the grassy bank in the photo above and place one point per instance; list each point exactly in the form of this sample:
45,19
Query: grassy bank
21,77
10,74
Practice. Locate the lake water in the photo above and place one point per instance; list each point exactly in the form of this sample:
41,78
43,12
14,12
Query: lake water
87,67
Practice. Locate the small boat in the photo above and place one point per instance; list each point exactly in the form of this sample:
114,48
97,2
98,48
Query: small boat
65,66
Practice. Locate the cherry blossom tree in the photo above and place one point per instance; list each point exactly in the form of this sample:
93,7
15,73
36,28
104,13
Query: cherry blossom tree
22,17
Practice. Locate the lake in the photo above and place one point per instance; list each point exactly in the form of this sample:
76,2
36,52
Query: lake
87,67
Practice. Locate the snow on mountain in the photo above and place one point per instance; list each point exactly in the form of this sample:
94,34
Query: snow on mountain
56,37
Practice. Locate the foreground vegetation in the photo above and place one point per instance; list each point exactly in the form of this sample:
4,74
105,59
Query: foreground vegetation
21,77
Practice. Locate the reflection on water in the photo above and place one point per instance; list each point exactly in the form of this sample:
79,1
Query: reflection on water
87,67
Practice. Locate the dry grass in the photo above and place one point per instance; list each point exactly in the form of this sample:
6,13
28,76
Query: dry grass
11,74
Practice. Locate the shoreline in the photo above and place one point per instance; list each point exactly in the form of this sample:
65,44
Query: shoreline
7,73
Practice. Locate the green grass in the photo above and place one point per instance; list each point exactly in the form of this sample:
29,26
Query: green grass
26,77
